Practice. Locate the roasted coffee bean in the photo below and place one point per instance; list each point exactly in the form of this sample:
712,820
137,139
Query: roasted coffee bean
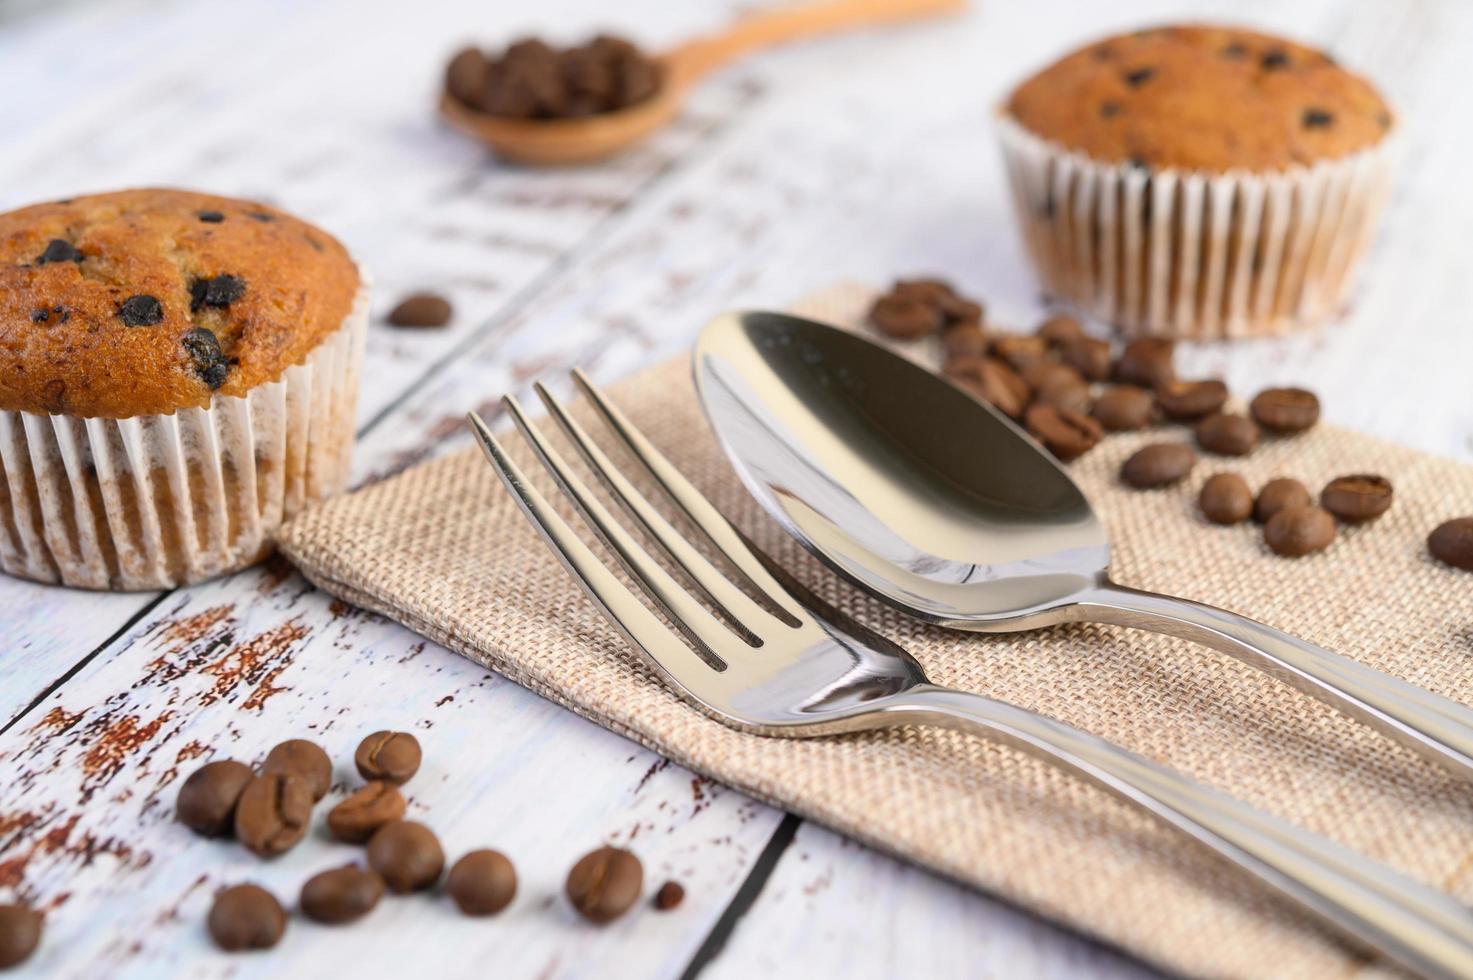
1226,499
1063,389
1090,356
206,802
1060,330
1042,371
209,361
1158,465
210,217
407,854
671,894
1186,400
217,292
1452,542
273,813
465,76
904,318
355,819
1297,531
964,340
1124,408
140,311
1065,433
1147,361
390,756
1018,351
304,758
1227,434
20,934
340,895
482,882
992,381
421,310
939,294
246,917
605,884
1277,495
1285,410
1357,498
59,250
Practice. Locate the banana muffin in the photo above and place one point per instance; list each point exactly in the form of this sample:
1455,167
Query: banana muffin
180,376
1196,180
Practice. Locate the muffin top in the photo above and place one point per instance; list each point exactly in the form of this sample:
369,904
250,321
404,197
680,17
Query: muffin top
143,302
1201,98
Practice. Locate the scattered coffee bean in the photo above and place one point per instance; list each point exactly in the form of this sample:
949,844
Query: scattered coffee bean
1187,400
246,917
1158,465
671,894
482,882
59,250
217,292
964,340
1019,350
1063,388
389,756
1065,433
1297,531
209,361
939,294
140,311
356,818
1061,330
1147,361
304,758
605,884
1090,356
1124,408
1285,410
340,895
1226,499
273,813
1279,494
1227,434
206,802
20,934
1452,542
992,381
407,854
904,318
210,217
1357,498
421,310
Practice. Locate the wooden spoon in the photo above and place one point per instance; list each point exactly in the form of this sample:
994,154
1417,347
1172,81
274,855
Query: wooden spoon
546,142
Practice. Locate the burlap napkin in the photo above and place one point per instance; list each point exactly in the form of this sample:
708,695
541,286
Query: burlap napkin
442,549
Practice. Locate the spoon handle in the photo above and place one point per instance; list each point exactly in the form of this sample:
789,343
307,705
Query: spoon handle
1438,728
1421,928
696,58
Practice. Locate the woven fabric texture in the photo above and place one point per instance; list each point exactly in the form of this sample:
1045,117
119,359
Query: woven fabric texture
443,549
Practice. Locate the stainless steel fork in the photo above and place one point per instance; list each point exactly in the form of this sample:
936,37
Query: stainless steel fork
789,667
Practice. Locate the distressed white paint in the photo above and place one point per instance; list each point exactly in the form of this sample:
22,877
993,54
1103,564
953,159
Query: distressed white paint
858,158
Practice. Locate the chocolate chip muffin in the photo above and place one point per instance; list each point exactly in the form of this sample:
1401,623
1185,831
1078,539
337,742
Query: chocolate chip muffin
181,374
1197,180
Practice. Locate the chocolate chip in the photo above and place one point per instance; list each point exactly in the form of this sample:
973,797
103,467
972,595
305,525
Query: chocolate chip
260,216
671,894
1285,410
1227,434
210,217
1452,542
1275,59
1124,408
1384,119
1357,498
141,311
40,316
1109,110
1297,531
1225,499
246,917
1065,433
20,934
207,799
1235,50
204,353
1158,465
340,895
605,883
59,250
421,310
407,854
1317,119
356,818
392,757
219,291
1280,494
1139,76
482,882
304,758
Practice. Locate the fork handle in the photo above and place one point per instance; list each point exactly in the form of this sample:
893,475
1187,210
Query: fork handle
1434,726
1419,927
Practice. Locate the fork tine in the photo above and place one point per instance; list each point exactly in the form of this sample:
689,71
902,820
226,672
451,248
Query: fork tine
643,629
689,616
740,608
722,535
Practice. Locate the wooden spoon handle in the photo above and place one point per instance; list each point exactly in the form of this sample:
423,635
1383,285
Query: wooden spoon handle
690,61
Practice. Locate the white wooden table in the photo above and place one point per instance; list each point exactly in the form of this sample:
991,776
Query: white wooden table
860,158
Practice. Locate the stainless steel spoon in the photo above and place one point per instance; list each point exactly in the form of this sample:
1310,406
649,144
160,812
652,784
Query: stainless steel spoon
934,502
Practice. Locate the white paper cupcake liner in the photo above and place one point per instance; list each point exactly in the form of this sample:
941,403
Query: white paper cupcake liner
1182,254
156,501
